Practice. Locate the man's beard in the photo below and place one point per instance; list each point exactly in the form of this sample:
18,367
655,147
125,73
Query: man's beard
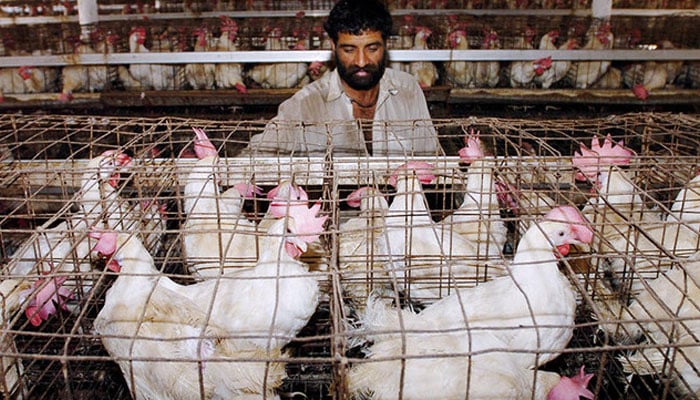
347,74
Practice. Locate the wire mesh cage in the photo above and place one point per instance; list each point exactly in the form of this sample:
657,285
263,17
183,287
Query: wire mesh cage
403,290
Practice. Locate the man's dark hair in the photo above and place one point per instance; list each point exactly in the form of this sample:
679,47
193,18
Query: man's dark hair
357,16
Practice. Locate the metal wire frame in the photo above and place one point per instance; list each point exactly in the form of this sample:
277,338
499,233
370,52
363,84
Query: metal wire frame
50,155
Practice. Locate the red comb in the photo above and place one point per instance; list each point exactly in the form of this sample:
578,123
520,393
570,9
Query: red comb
248,190
202,145
613,155
590,161
423,170
306,223
472,151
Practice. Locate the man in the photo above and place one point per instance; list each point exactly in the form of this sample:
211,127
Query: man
359,108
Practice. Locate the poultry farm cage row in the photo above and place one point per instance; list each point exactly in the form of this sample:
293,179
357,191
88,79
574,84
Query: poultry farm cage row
215,53
44,8
527,170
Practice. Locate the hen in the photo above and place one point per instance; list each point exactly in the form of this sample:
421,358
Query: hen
65,247
362,246
583,74
425,71
478,218
12,81
487,73
515,312
666,313
422,258
215,232
12,380
523,73
229,75
146,76
166,344
459,73
559,69
626,225
649,76
279,75
686,205
456,366
200,76
93,78
270,302
27,79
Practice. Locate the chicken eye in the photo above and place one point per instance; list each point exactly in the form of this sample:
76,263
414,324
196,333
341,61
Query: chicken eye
561,233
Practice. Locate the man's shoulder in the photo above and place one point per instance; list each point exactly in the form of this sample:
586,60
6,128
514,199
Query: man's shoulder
401,79
320,87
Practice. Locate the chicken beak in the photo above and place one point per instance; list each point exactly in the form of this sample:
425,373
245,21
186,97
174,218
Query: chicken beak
564,249
295,247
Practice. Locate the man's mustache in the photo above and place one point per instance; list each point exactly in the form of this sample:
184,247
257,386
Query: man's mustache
369,68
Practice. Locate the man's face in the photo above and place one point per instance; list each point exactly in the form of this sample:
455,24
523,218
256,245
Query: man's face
360,59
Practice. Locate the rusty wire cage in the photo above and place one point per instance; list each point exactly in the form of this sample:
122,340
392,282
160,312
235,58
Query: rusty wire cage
46,157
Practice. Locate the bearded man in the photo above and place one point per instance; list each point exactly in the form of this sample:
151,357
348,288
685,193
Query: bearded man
359,108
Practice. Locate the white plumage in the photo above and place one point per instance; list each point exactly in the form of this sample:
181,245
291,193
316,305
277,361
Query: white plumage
165,342
530,310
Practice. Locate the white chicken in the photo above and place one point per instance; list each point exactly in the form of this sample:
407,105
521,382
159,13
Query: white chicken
12,81
478,218
422,259
649,76
362,246
93,78
459,73
229,75
530,312
282,198
432,366
267,304
165,343
404,41
319,68
523,73
65,248
487,73
686,205
526,39
13,379
27,79
625,224
610,80
96,198
583,74
201,76
665,312
559,69
146,76
279,75
215,232
425,71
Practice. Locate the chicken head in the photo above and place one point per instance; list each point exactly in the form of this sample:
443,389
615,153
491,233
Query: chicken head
422,170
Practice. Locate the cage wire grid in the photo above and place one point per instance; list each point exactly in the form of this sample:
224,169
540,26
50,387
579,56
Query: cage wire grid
636,294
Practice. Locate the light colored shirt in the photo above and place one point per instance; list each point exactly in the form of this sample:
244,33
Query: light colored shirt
319,117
